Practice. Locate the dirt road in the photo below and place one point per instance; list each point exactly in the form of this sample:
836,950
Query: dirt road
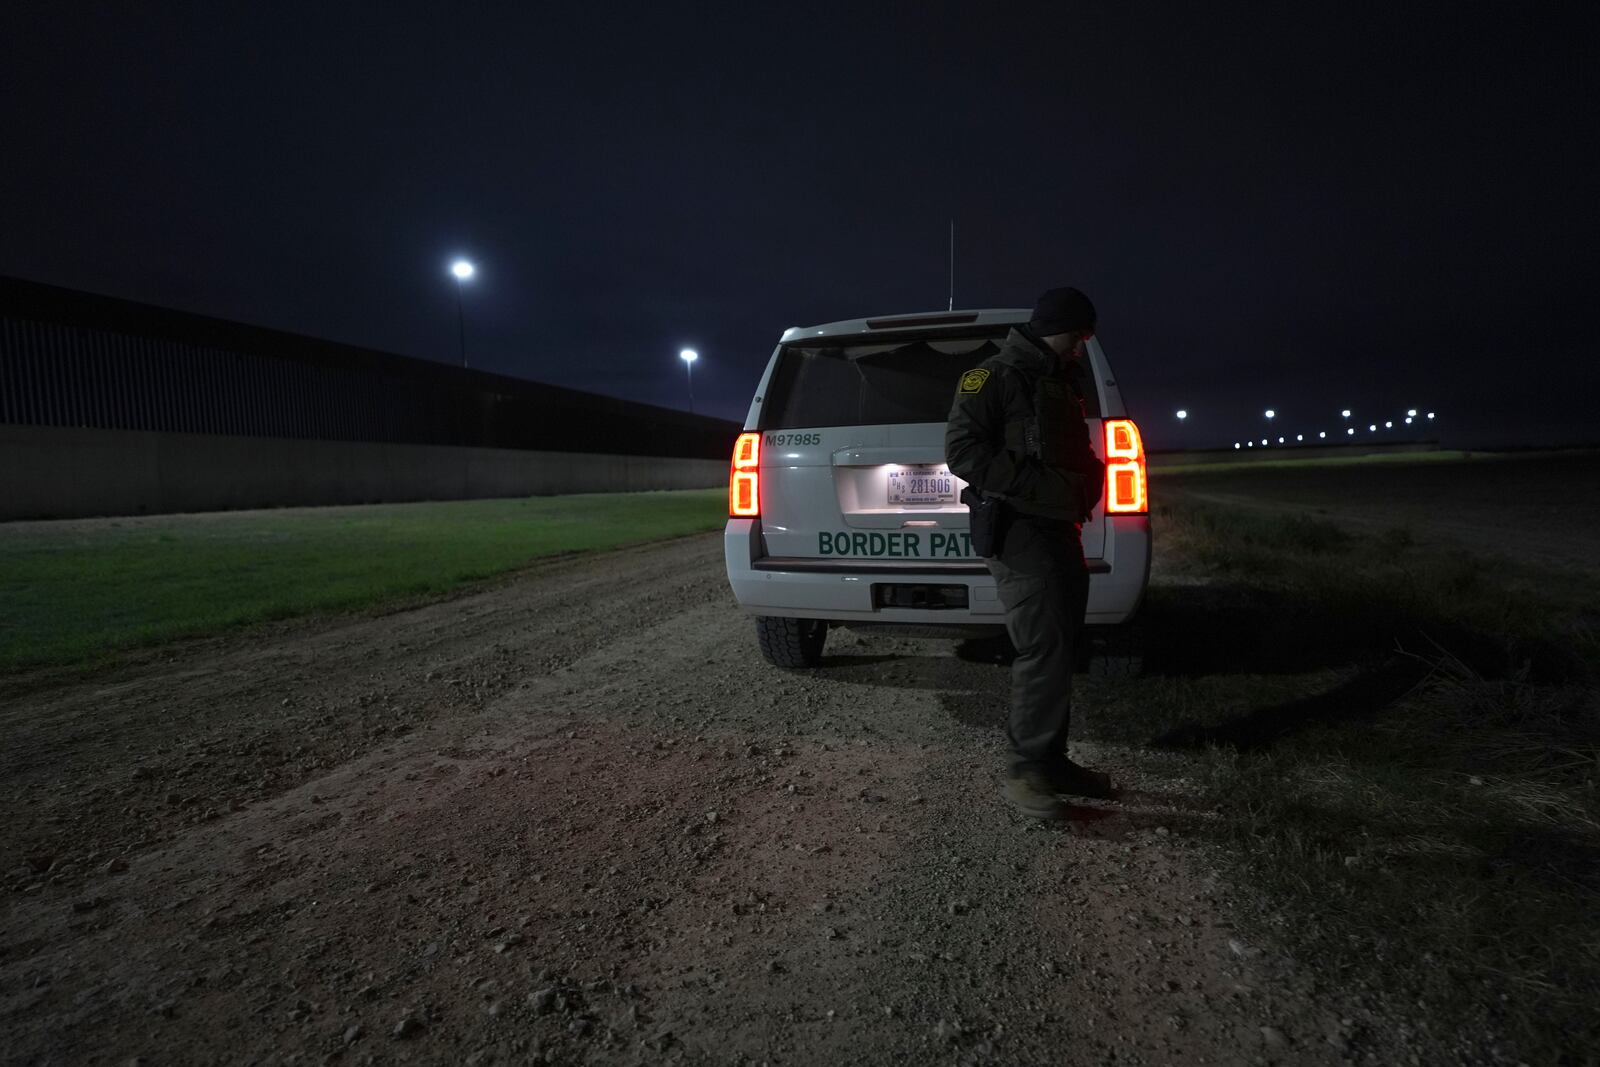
574,818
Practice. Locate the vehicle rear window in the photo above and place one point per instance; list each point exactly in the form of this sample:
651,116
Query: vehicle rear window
877,384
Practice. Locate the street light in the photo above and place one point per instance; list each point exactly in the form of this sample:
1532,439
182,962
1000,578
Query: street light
1411,413
1271,414
689,355
1182,414
1345,413
462,270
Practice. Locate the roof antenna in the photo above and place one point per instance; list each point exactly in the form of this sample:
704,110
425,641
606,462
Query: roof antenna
952,306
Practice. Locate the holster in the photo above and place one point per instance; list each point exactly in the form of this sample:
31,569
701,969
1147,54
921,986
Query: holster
990,516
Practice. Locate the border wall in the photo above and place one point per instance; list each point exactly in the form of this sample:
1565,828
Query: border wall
109,407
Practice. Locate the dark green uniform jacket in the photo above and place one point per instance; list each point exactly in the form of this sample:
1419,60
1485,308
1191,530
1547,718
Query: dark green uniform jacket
1017,431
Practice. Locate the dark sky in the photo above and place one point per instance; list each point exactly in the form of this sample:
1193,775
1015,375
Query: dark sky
1296,205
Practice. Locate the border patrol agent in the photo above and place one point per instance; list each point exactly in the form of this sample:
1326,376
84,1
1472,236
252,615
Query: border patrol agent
1017,435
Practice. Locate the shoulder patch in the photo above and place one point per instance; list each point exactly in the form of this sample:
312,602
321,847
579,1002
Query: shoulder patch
973,380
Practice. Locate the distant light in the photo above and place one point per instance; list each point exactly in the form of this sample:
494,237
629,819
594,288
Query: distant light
1408,420
1345,413
1351,431
1411,413
1430,414
688,355
1323,434
1299,437
1271,414
462,269
1388,426
1182,414
1236,444
1250,444
1373,428
1280,440
1263,440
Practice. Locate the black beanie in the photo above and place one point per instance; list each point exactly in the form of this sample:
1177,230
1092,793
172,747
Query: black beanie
1061,310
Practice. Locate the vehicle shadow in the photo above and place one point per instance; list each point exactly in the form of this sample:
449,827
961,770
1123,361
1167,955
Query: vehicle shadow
1190,631
1200,631
1194,632
1362,696
848,664
987,650
901,671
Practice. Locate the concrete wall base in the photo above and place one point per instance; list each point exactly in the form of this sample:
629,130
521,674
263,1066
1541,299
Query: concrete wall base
55,473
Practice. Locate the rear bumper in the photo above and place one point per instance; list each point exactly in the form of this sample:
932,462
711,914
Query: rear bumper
840,590
899,570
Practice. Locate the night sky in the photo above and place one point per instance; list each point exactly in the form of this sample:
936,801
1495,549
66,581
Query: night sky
1289,205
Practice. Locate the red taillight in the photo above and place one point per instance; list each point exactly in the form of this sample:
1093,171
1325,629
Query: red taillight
744,494
1126,492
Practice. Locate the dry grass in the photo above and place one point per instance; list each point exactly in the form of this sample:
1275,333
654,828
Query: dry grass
1404,745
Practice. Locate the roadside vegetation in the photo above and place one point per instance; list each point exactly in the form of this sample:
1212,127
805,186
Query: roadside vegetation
1291,461
73,591
1401,741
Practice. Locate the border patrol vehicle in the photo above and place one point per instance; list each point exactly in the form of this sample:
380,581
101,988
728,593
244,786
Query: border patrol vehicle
842,511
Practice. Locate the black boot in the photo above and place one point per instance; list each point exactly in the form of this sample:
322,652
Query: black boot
1074,780
1029,790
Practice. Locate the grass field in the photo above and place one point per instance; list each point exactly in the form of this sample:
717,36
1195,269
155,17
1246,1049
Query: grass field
1536,507
73,591
1400,736
1292,462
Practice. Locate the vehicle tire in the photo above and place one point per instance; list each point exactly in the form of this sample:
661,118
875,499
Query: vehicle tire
791,642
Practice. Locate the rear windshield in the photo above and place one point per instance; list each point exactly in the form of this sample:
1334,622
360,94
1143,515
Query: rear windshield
877,384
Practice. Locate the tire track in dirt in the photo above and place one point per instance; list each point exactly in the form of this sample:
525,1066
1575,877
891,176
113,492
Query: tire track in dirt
114,761
642,844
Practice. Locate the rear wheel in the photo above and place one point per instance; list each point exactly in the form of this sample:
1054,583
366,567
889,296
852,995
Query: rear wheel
791,642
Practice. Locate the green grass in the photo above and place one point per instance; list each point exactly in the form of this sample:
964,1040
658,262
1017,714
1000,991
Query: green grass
73,591
1403,748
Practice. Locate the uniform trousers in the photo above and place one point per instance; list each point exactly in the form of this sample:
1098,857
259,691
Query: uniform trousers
1044,585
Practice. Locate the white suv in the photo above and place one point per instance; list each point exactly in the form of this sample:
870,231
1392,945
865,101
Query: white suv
842,510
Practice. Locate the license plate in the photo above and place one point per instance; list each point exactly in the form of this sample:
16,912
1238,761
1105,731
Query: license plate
922,485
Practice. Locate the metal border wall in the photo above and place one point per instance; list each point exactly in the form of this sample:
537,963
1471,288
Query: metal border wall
109,407
71,359
50,472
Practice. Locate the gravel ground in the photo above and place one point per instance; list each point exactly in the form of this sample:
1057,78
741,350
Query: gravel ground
574,818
